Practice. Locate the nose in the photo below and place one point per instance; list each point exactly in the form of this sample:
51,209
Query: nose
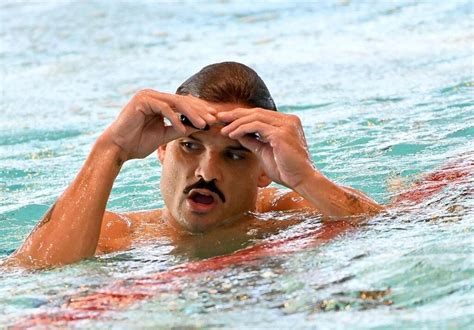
208,167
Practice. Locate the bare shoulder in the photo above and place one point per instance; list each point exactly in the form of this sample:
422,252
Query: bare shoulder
118,229
274,199
143,216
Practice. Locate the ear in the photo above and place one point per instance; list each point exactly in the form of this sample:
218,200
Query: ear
161,151
263,180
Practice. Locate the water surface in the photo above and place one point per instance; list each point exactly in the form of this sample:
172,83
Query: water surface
385,93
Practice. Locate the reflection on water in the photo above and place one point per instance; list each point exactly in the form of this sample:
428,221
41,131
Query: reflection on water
384,92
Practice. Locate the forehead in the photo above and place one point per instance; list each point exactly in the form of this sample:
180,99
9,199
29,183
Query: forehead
222,107
214,137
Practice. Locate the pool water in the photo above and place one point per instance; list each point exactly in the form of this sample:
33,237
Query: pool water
385,93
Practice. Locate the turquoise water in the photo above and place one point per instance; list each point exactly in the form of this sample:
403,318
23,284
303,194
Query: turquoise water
385,93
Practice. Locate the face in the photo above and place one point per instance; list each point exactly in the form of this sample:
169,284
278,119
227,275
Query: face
208,156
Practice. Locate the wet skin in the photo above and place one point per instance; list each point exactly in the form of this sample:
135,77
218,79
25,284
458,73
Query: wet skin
209,156
238,165
215,225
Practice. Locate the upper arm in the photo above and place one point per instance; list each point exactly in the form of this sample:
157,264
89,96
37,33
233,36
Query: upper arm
119,231
115,233
273,199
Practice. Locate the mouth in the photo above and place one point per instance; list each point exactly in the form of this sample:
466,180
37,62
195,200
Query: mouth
201,201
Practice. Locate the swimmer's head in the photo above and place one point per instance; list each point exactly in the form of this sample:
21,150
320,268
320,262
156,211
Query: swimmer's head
208,178
229,82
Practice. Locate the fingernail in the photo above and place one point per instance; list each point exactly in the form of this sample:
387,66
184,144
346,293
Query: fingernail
185,120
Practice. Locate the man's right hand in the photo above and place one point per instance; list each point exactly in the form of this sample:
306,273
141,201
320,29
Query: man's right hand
140,128
70,230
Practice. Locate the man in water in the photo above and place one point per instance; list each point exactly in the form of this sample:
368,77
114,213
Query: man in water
221,145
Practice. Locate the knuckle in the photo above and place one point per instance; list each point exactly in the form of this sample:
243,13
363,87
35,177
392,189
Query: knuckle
259,116
179,102
146,91
295,119
285,131
244,126
140,95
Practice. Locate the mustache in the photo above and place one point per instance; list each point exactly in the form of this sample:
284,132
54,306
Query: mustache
209,185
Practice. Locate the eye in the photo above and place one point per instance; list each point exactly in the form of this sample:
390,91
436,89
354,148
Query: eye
190,146
234,156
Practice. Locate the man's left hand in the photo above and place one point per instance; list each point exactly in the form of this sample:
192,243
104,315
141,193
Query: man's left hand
281,145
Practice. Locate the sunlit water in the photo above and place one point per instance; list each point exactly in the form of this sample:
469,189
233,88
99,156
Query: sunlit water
385,93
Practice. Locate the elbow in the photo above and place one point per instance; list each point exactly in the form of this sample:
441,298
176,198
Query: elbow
38,260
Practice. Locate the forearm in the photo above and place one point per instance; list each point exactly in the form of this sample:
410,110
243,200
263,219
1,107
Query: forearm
70,230
333,200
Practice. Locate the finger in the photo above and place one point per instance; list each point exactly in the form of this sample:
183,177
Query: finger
163,109
264,130
197,118
251,144
200,104
210,118
198,107
258,149
230,116
199,112
253,117
205,112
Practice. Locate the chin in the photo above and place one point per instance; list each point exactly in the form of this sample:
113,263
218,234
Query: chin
197,224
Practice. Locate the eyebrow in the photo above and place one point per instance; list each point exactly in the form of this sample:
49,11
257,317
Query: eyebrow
238,148
234,148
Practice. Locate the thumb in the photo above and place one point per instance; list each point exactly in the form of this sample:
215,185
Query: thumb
252,144
170,133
